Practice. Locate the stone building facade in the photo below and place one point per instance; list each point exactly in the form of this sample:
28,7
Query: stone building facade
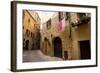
61,34
31,23
65,35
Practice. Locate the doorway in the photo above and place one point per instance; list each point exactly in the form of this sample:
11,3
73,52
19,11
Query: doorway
85,51
27,45
57,44
45,45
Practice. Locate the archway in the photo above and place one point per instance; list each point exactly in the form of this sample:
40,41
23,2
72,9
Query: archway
57,44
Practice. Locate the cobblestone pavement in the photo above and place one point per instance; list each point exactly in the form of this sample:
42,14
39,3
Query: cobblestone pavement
37,56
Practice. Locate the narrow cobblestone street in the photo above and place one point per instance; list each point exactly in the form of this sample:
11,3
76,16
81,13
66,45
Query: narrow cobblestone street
37,56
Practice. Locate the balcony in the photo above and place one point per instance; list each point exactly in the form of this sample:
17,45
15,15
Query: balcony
82,20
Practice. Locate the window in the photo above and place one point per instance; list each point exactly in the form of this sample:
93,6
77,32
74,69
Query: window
49,24
28,21
27,32
60,16
67,16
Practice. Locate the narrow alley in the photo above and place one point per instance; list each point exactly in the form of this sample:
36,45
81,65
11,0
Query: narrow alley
55,36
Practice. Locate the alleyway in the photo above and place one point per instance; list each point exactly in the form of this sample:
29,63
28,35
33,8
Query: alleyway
37,56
